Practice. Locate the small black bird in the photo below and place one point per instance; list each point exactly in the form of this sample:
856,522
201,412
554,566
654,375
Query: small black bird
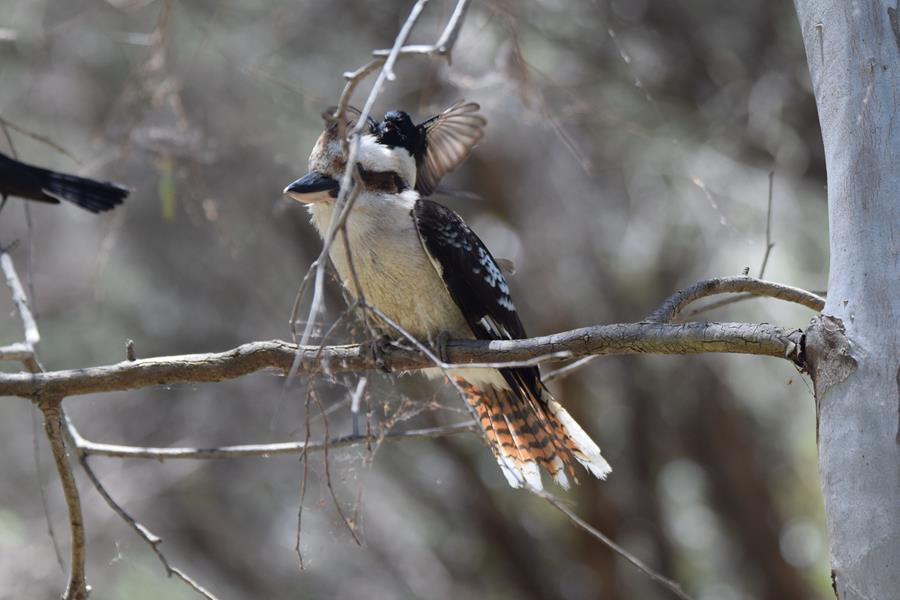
43,185
438,144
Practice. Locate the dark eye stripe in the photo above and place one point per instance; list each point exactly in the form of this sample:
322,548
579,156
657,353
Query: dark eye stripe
382,181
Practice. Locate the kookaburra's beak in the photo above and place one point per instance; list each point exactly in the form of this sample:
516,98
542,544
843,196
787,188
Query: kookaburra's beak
313,187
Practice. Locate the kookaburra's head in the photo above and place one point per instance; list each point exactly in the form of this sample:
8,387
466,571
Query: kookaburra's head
385,161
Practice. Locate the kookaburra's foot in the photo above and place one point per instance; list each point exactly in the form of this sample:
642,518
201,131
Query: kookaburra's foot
376,350
440,346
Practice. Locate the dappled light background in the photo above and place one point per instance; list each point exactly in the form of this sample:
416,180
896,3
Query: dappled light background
627,154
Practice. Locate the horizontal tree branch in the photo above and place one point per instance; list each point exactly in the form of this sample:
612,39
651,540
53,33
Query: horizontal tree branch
89,448
624,338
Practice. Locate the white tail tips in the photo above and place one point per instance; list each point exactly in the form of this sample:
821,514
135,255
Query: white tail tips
586,451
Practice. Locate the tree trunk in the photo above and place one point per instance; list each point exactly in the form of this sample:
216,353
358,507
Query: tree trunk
853,348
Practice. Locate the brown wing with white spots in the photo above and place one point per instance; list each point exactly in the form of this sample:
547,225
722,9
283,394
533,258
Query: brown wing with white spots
522,423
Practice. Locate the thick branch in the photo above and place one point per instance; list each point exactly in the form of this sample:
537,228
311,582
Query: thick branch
626,338
77,588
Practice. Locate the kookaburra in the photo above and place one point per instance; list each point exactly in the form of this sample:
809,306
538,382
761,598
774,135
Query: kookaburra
419,264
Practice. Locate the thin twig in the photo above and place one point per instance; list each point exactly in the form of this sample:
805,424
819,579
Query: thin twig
90,448
334,499
762,269
148,536
344,203
355,402
339,214
304,453
39,138
663,124
444,45
568,369
769,243
42,489
714,305
729,285
657,577
26,351
295,309
350,142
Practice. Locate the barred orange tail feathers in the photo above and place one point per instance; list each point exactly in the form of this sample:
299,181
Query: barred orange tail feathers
524,432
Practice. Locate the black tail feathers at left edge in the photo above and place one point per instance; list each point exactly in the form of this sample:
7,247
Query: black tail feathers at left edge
43,185
95,196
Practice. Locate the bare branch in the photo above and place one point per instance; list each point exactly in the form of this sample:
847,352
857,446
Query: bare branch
660,579
22,352
565,371
730,285
77,588
42,490
81,446
762,268
261,450
344,203
444,45
148,536
345,198
50,406
624,338
38,138
769,243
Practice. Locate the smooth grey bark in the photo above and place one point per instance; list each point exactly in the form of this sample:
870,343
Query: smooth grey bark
853,348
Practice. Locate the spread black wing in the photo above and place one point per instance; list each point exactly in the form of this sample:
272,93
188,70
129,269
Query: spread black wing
449,137
475,281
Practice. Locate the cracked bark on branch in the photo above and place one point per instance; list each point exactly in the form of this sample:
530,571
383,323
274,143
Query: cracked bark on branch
624,338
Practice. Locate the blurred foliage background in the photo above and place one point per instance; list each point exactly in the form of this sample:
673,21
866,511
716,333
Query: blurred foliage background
627,154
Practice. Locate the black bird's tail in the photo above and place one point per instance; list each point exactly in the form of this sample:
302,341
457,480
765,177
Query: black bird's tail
95,196
43,185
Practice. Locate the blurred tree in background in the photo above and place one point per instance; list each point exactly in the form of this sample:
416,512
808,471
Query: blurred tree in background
627,154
